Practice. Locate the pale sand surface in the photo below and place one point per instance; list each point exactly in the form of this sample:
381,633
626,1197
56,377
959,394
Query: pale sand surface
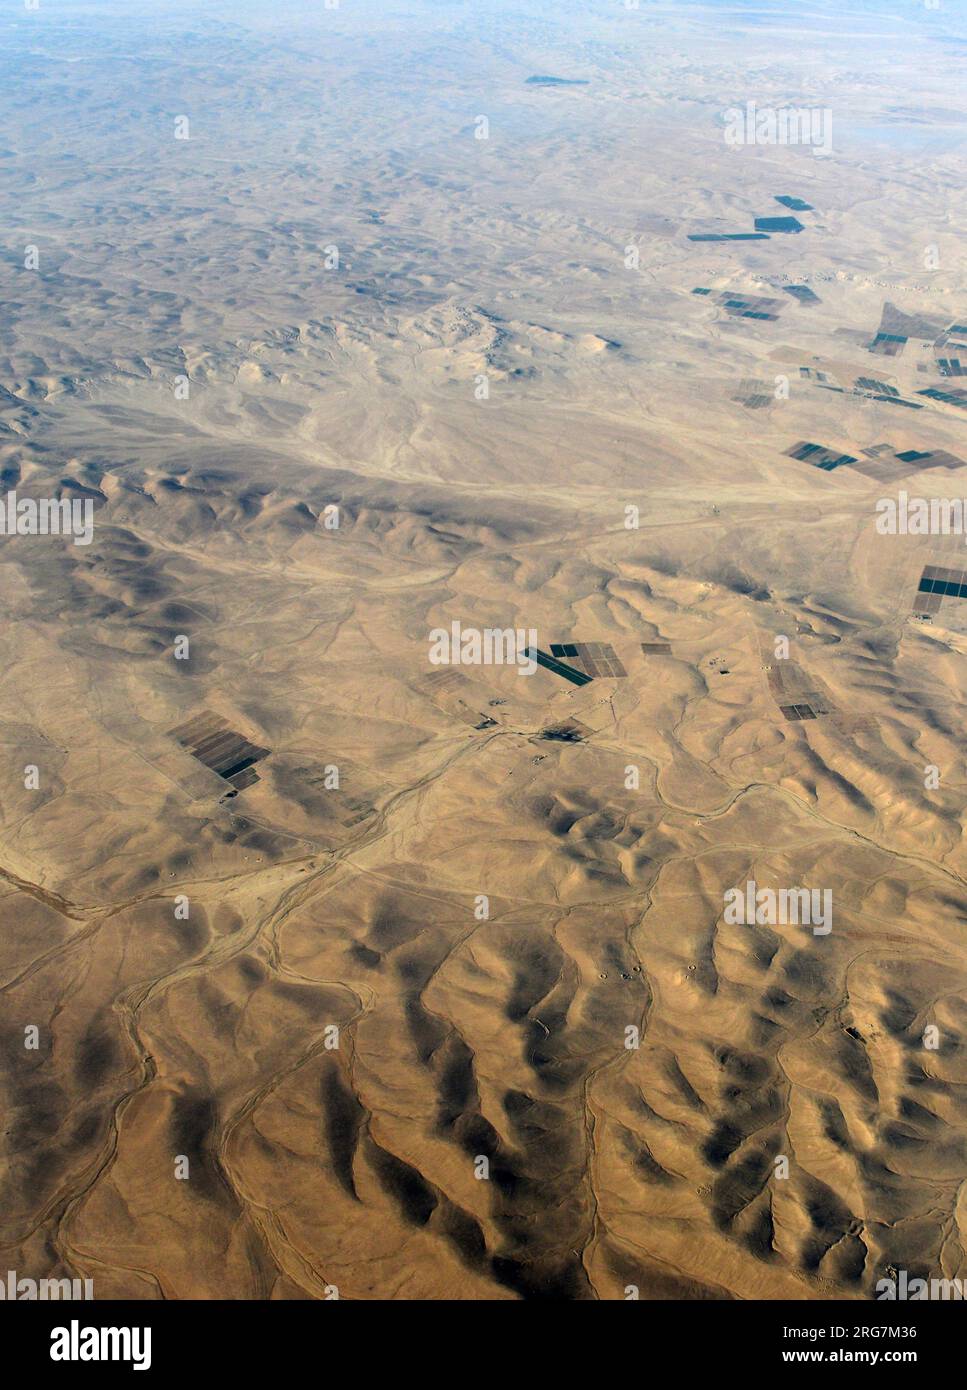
313,1167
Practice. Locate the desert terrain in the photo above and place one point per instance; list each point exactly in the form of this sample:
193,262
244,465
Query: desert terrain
348,330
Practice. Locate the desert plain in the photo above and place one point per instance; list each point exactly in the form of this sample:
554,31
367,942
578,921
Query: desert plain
330,972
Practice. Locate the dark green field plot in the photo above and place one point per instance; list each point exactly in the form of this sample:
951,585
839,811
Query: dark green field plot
559,668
